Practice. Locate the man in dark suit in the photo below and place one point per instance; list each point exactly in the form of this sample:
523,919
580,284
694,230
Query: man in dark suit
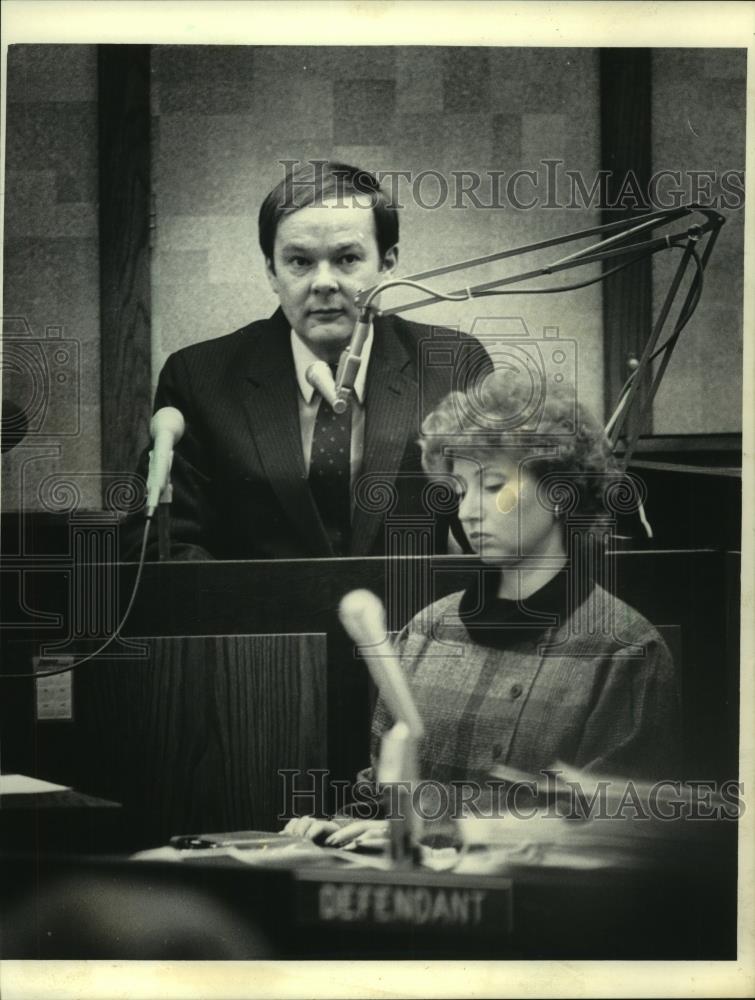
265,469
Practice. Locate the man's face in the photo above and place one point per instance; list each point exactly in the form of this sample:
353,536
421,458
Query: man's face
323,255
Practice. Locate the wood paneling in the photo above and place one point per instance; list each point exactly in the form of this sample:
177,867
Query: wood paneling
625,130
191,738
125,309
683,588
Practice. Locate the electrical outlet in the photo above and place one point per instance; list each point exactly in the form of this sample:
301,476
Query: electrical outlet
54,694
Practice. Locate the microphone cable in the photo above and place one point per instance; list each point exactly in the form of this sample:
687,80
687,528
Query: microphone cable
97,652
670,341
667,345
469,294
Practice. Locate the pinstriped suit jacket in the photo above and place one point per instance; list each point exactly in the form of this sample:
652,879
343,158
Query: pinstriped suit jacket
240,490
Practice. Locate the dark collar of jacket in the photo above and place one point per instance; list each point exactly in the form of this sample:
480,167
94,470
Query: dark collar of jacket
501,623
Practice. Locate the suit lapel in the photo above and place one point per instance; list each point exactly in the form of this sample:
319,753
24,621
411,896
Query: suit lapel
390,422
269,396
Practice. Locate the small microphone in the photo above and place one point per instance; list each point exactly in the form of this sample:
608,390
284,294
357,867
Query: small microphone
319,376
363,616
351,358
395,755
167,428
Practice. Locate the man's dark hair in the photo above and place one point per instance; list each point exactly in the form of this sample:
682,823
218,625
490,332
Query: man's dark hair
312,182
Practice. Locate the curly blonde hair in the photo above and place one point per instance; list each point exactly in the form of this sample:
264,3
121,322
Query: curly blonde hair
559,437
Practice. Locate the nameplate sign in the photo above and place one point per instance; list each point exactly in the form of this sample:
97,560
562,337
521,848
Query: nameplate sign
473,904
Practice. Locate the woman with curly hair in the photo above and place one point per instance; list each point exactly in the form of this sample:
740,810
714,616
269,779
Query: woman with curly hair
535,663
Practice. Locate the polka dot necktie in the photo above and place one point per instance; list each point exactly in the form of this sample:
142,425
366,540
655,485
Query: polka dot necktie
330,473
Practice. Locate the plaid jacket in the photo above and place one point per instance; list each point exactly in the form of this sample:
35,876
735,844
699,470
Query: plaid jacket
597,691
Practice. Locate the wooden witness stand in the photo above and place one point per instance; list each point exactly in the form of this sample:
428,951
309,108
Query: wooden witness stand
247,671
244,670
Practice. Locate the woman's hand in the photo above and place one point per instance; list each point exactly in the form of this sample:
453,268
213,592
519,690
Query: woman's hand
309,826
363,829
336,833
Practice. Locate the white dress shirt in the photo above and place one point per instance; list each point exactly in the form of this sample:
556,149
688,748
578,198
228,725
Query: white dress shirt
309,401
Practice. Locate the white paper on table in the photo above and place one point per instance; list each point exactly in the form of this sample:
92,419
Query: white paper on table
22,784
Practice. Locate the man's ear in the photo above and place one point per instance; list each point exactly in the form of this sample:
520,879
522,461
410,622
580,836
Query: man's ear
389,262
271,276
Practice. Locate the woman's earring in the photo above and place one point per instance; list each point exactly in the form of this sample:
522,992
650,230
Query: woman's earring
557,511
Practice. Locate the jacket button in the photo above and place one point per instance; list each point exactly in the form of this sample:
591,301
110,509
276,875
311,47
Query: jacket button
497,751
515,691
